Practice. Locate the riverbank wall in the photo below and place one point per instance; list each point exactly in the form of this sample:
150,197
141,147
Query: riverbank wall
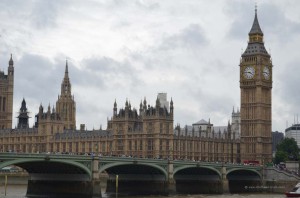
14,178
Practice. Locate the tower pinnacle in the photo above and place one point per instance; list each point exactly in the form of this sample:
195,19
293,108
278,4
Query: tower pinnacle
255,29
11,62
66,70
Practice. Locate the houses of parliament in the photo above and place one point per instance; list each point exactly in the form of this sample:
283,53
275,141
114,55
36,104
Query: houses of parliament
149,131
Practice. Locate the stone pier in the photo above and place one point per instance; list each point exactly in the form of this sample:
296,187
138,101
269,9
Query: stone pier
225,183
96,189
171,183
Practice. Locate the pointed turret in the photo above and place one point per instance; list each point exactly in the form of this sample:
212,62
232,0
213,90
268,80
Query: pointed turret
145,103
41,109
115,104
11,68
255,29
256,40
141,107
23,106
171,107
66,85
23,117
66,70
49,109
115,108
157,103
11,62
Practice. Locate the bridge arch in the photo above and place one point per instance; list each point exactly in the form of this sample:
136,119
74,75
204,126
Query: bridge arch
193,166
19,162
242,180
243,170
110,165
135,177
195,179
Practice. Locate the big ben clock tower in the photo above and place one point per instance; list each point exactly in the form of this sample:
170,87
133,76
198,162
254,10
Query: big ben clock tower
256,98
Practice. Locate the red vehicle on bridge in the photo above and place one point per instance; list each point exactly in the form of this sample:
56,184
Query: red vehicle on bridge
251,162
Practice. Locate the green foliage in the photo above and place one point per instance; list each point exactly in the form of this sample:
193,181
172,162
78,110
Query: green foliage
287,150
280,156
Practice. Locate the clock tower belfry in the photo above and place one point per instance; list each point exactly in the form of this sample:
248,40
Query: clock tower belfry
256,98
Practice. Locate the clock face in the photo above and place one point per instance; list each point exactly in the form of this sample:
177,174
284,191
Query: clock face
266,73
249,72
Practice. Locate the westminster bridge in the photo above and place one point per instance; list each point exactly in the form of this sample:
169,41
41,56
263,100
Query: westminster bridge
79,175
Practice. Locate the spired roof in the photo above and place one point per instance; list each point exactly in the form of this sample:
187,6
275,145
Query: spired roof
255,45
255,29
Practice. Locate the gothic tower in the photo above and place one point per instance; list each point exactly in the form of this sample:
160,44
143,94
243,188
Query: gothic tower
23,117
65,105
256,98
6,96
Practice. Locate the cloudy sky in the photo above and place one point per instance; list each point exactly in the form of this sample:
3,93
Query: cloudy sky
119,49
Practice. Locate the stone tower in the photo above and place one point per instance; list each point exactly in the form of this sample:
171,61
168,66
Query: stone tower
256,98
6,96
65,105
236,123
23,117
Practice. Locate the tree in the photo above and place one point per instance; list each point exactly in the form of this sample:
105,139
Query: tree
280,156
287,150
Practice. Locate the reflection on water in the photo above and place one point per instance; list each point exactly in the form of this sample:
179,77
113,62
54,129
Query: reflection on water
19,191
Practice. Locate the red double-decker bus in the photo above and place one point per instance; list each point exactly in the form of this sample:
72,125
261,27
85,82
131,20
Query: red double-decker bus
251,162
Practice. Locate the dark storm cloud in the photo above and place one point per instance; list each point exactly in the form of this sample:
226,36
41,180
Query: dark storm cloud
191,37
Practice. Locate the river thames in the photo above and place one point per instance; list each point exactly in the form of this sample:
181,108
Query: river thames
19,191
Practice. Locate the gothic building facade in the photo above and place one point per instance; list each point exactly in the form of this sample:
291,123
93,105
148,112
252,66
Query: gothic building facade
6,96
149,131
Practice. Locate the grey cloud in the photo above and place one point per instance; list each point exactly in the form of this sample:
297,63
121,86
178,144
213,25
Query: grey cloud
192,36
212,102
40,14
277,24
289,84
147,4
242,18
110,72
37,76
44,13
271,18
